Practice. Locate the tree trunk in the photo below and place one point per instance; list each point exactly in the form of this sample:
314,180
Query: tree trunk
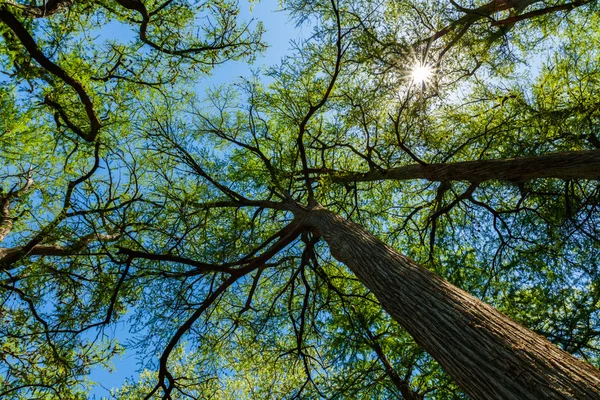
570,165
487,354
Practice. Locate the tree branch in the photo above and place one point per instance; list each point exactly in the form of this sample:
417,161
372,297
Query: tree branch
9,255
6,221
536,13
31,46
313,109
569,165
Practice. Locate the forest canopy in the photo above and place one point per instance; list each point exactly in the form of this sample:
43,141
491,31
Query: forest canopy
406,205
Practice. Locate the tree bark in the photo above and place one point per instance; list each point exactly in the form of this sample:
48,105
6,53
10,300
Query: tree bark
569,165
487,354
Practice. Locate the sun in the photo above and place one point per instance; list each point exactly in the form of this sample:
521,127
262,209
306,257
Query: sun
421,73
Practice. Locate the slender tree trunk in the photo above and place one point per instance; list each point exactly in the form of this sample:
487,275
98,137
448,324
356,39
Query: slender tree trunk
487,354
570,165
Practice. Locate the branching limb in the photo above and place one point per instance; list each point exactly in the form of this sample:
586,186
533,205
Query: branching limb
401,383
536,13
243,203
487,11
31,46
244,265
255,280
166,381
444,210
314,108
396,123
227,39
188,159
7,254
7,261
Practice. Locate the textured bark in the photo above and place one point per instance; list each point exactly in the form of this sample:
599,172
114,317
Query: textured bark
569,165
6,225
6,220
487,354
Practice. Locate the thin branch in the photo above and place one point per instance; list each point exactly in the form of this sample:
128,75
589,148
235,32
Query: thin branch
313,109
245,264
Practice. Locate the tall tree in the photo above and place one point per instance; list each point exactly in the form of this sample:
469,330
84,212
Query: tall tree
248,237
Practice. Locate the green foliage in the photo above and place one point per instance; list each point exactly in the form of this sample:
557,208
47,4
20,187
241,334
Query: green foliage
161,219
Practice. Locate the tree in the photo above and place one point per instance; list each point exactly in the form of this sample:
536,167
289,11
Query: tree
233,232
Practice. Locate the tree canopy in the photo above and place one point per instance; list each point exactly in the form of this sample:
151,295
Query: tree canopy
238,234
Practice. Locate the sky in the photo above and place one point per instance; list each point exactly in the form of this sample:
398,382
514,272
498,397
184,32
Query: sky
280,31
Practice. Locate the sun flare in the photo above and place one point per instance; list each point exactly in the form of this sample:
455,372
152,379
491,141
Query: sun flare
421,73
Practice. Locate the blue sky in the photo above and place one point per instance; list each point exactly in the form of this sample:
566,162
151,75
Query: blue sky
279,32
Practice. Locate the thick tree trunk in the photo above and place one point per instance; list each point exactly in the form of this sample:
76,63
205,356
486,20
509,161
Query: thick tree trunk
487,354
570,165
